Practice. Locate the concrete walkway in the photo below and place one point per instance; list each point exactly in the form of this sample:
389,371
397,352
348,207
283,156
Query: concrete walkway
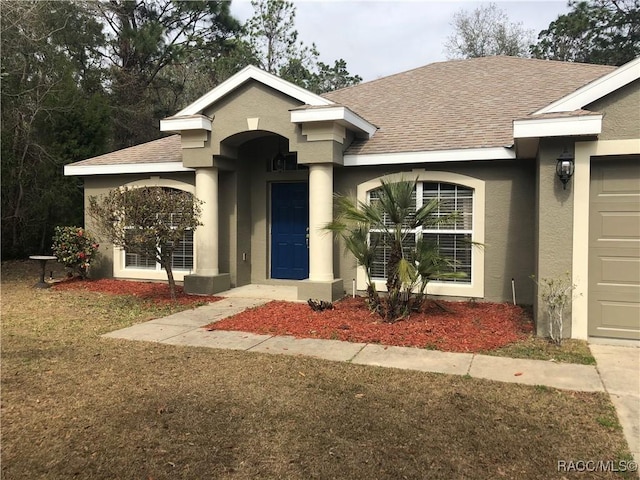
618,370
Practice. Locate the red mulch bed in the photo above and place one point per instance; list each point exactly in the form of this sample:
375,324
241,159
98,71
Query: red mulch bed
468,327
151,291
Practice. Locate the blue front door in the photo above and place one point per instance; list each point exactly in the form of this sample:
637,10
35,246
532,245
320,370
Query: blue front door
289,226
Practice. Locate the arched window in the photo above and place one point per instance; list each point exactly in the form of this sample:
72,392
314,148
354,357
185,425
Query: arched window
182,258
455,239
133,265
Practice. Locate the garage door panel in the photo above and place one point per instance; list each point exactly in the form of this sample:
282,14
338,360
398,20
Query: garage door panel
614,249
614,220
616,269
618,318
619,225
618,177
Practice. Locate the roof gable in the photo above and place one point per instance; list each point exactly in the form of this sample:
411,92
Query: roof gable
252,73
597,89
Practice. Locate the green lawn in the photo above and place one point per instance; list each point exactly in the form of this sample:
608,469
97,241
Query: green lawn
75,405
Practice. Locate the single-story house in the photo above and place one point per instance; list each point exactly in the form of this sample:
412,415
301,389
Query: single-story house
266,157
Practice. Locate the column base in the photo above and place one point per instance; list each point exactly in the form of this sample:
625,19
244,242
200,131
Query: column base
206,284
328,291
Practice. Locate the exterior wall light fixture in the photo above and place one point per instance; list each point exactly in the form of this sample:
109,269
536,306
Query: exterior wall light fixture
278,162
565,168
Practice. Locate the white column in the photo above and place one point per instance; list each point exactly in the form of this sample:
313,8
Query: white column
206,236
320,214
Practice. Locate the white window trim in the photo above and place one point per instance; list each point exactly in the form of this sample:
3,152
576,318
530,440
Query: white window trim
119,268
475,289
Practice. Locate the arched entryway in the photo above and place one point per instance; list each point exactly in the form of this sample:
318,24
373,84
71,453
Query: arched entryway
265,196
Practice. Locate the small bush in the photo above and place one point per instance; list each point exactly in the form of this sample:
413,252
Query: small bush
556,293
319,305
75,248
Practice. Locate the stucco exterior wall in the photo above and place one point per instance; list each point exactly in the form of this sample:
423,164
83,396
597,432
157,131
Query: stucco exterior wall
231,116
235,220
243,229
621,113
100,185
254,158
509,226
227,221
554,224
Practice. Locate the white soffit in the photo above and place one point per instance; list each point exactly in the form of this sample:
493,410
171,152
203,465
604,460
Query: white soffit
337,113
557,127
116,169
597,89
177,124
459,155
258,75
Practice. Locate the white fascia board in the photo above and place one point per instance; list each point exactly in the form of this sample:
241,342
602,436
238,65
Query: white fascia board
338,113
116,169
190,123
459,155
557,127
258,75
597,89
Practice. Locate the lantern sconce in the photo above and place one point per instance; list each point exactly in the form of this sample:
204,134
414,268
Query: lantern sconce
278,163
565,168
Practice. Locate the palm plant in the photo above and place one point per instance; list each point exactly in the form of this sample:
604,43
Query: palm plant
392,215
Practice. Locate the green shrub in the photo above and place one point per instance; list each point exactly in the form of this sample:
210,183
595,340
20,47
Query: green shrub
75,248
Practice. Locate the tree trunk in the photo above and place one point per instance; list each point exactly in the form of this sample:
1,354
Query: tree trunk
171,280
373,300
15,241
394,301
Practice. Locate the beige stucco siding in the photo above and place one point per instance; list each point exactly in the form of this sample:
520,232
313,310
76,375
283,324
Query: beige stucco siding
227,221
509,226
254,204
554,227
621,113
236,219
100,185
243,225
236,113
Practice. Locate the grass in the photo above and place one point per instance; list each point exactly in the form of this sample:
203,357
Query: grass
78,405
537,348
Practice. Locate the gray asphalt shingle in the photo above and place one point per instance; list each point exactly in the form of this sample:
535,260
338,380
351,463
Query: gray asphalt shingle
449,105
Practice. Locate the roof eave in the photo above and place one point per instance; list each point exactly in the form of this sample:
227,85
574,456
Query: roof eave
123,168
454,155
336,113
185,122
557,127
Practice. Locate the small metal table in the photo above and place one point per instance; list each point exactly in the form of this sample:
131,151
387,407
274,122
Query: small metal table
43,263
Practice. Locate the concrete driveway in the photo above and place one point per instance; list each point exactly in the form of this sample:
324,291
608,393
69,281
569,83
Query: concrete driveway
619,369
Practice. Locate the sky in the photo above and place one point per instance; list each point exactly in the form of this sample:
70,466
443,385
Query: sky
378,38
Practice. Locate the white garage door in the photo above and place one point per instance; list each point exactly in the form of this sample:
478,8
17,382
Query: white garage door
614,248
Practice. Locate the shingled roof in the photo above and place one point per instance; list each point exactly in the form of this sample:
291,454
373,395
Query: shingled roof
167,149
442,106
459,104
